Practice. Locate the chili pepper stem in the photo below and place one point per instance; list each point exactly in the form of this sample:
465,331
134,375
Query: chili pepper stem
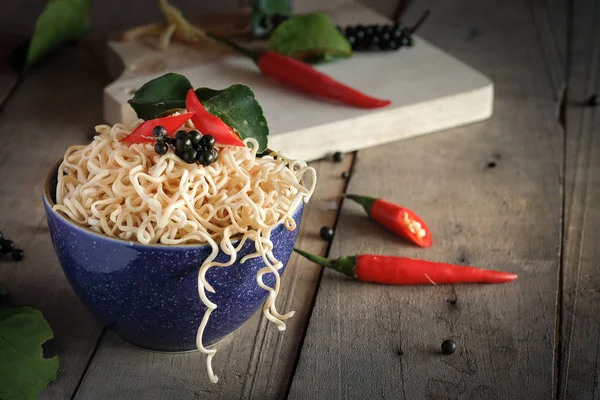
345,265
419,22
365,201
242,50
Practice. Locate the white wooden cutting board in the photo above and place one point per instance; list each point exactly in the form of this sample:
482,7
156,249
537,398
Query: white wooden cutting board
430,90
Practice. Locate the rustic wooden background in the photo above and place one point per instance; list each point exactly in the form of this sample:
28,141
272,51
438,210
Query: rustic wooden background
519,192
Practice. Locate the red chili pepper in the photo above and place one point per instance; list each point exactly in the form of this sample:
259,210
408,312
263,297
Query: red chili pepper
407,271
143,133
303,77
399,220
210,124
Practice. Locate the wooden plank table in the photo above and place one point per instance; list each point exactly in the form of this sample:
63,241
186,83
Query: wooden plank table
519,192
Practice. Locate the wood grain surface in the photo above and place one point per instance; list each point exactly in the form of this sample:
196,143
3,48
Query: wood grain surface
579,375
493,197
493,194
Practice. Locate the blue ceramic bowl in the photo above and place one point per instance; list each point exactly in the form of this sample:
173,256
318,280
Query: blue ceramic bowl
148,294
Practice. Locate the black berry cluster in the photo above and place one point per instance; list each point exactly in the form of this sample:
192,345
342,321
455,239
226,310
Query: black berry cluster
8,246
190,146
361,38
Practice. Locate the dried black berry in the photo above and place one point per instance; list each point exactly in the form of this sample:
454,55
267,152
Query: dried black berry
194,137
189,156
159,131
338,156
448,346
161,148
17,254
326,233
7,246
207,141
205,157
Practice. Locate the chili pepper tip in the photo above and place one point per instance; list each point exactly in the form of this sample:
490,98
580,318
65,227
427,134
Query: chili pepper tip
500,276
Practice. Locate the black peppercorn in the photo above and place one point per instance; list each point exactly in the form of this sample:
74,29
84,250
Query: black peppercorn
326,233
159,131
189,156
205,157
207,141
17,254
183,144
161,148
195,137
338,156
7,246
448,346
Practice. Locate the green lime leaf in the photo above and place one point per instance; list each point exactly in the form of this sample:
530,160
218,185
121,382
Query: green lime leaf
235,105
159,95
61,21
24,372
310,37
238,108
263,10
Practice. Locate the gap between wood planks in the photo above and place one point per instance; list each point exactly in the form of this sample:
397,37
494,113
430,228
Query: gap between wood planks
577,366
562,120
314,297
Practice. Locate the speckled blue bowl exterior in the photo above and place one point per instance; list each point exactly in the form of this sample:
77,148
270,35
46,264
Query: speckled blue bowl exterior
148,294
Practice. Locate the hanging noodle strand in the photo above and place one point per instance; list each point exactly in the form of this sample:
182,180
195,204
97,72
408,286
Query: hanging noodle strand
130,192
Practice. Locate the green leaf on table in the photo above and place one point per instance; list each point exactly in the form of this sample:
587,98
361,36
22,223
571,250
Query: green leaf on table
310,37
263,9
160,95
238,108
24,372
61,21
